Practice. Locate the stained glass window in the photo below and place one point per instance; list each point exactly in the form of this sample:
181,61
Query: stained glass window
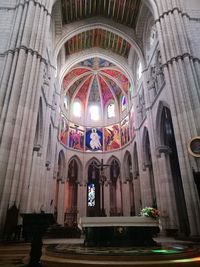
91,195
111,110
123,103
77,109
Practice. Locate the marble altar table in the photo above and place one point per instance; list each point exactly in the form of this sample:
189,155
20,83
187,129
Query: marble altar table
119,231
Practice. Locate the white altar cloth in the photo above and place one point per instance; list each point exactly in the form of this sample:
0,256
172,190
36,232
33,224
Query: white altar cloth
134,221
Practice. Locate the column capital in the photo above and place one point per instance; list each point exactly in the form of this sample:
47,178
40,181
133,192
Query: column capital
163,150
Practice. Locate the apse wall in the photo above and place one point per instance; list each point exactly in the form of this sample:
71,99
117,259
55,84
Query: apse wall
97,139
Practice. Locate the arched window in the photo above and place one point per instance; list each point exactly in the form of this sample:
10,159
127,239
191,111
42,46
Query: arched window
139,70
77,109
111,110
152,35
65,102
123,103
91,195
94,113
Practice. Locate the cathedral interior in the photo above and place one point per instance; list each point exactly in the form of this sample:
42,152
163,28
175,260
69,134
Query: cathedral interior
99,110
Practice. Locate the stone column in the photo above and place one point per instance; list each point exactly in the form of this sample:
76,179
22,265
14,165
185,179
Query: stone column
107,198
168,209
178,66
61,203
126,199
137,195
18,119
82,200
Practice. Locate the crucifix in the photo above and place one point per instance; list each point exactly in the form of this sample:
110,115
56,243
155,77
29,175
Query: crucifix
102,179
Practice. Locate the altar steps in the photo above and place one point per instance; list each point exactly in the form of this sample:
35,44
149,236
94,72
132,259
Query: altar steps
189,259
12,255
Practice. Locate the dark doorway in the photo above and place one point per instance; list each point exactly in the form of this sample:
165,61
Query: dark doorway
169,140
196,176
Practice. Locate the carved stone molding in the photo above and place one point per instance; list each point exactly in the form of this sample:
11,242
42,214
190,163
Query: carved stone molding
163,149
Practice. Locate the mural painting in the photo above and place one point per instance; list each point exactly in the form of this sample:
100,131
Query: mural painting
94,139
64,130
125,134
132,123
76,137
111,137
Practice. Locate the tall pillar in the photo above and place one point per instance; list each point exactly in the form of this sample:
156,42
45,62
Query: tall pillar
21,100
107,198
61,203
168,208
126,199
82,200
178,64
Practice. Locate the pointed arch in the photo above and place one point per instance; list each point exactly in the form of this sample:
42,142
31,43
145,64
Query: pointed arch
135,161
145,141
127,164
79,165
159,129
61,166
89,162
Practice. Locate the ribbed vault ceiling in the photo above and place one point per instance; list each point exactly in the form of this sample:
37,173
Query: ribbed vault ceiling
96,80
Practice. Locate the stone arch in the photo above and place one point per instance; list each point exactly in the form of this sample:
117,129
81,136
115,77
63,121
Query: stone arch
145,136
105,24
110,161
61,166
94,188
159,130
150,3
93,159
80,167
169,148
135,161
127,164
148,166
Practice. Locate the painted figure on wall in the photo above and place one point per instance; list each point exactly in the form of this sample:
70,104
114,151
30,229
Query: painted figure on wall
94,139
125,134
111,137
76,137
64,130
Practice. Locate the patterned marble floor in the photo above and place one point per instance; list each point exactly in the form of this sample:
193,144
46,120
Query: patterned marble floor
16,255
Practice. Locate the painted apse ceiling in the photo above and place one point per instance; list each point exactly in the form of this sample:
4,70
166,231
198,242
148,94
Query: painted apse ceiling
96,80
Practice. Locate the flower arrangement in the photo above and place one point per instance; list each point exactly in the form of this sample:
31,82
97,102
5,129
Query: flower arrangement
150,212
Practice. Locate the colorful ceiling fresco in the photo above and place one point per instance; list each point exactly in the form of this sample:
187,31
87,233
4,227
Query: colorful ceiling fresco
96,80
121,11
98,38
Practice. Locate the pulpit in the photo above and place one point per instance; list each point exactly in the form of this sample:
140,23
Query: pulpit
34,227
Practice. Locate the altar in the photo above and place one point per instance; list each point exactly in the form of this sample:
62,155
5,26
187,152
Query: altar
119,231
